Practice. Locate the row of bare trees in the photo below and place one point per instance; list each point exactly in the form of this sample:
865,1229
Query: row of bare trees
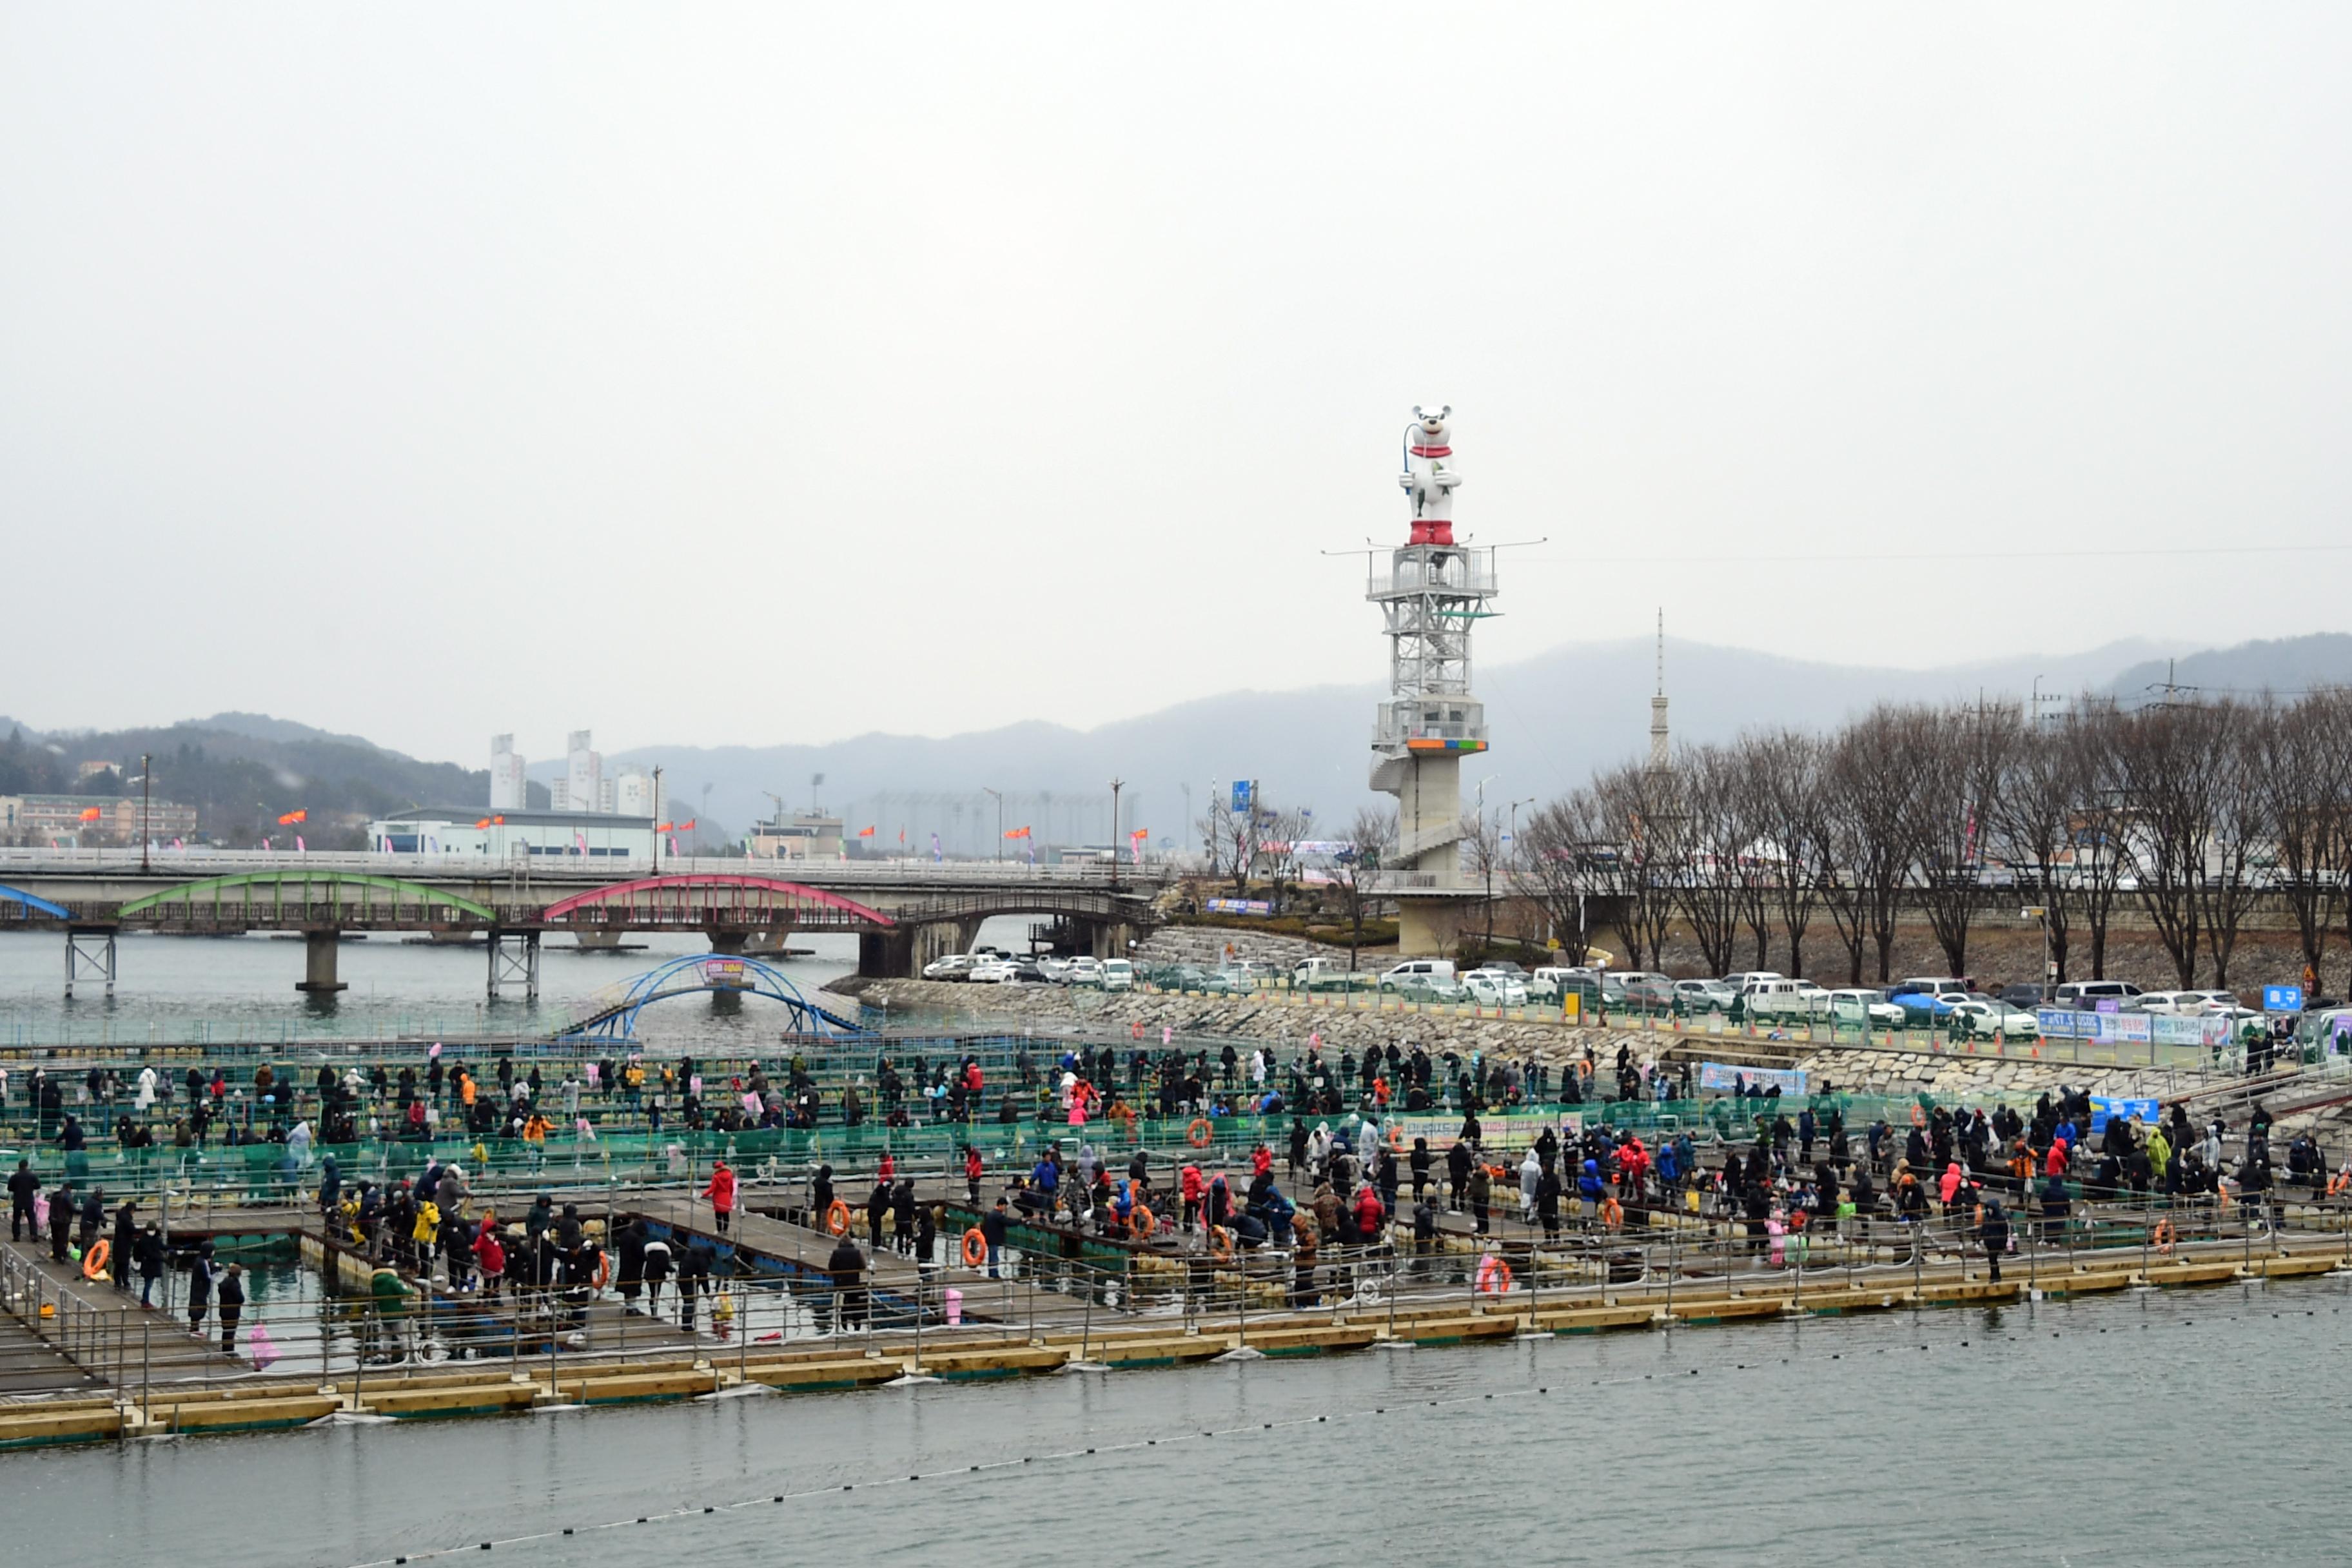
2188,812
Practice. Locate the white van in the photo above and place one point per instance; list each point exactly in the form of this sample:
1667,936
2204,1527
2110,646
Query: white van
1117,975
1775,998
2085,995
1746,977
1418,969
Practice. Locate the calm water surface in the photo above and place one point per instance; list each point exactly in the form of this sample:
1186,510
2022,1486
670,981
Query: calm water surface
2185,1428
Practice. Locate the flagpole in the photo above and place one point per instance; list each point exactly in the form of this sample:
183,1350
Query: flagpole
657,772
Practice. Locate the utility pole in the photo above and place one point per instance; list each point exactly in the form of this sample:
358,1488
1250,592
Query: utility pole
146,799
999,797
657,772
1115,785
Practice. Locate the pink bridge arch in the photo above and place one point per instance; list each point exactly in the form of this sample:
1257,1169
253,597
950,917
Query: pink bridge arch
704,899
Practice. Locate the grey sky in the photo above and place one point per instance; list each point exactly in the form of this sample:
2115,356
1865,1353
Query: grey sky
776,375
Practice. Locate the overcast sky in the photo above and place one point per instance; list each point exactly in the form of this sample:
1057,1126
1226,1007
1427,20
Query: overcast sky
711,376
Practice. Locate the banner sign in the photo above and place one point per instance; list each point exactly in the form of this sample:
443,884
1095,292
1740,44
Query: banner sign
2282,998
2104,1109
1723,1078
1241,906
2134,1029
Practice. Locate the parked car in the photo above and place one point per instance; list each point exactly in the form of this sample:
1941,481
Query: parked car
1027,971
1116,974
1871,1009
1773,998
1491,987
1990,1017
1746,977
989,971
1704,995
2023,996
1426,989
1085,970
2085,995
1417,969
948,966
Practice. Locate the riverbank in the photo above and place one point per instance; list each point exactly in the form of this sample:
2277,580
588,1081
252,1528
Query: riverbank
1291,1022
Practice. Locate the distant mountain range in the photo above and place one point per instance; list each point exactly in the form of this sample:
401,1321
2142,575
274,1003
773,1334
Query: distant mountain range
1553,719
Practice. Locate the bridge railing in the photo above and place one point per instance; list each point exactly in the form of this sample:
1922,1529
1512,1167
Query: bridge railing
198,863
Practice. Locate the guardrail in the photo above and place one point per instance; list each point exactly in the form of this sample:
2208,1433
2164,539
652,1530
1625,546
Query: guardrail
199,863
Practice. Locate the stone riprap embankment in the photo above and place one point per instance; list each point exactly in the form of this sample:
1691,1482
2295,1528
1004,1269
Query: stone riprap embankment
1289,1021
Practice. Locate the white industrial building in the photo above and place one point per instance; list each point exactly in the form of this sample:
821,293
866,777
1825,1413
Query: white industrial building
510,835
509,789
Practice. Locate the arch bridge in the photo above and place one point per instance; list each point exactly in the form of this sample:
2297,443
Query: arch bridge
614,1014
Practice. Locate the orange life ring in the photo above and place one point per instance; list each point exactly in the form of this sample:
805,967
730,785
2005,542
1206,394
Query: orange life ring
1396,1136
93,1262
1918,1117
1200,1132
836,1219
1135,1031
1221,1244
1142,1222
1493,1275
2163,1236
1612,1214
603,1270
975,1248
2340,1184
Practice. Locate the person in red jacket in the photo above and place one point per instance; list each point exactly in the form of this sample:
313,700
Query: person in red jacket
722,1193
1261,1160
490,1258
1368,1214
1192,1186
972,1170
2056,1163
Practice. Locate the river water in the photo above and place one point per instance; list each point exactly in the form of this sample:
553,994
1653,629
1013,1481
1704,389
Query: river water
2187,1428
174,990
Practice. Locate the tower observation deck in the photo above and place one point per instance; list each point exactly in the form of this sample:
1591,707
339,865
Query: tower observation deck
1431,593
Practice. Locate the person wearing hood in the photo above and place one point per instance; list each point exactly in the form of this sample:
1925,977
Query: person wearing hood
490,1259
330,1186
231,1290
1591,1186
722,1193
1457,1175
847,1269
147,1255
1530,1177
1481,1190
126,1238
629,1251
569,1232
694,1279
22,1187
453,1192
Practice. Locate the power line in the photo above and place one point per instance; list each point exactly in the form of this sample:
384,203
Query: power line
1817,559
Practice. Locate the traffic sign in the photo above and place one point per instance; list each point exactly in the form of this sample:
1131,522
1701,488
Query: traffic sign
2282,998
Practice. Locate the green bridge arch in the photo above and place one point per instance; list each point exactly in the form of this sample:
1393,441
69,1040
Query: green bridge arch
190,893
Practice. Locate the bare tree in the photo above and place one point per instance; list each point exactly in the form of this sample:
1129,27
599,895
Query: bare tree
1234,839
1965,757
1713,837
1280,833
1482,850
1570,858
2173,773
2035,812
1786,771
1632,811
1877,771
1358,877
2102,822
2302,764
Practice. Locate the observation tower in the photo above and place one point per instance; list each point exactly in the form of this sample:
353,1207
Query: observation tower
1431,593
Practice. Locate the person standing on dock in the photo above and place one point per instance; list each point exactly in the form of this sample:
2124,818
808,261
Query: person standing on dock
126,1236
21,1186
847,1269
722,1193
61,1218
232,1306
200,1287
149,1256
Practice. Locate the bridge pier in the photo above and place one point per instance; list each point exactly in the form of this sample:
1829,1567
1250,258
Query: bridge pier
90,958
514,961
901,953
319,952
598,938
1107,939
731,943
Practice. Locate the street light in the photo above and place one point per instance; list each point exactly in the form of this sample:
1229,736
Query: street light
1115,787
657,772
999,797
1515,825
2049,965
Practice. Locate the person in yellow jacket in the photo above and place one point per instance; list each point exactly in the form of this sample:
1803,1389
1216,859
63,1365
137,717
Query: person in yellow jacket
427,1234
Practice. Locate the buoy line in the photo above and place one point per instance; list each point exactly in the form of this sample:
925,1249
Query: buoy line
699,1511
